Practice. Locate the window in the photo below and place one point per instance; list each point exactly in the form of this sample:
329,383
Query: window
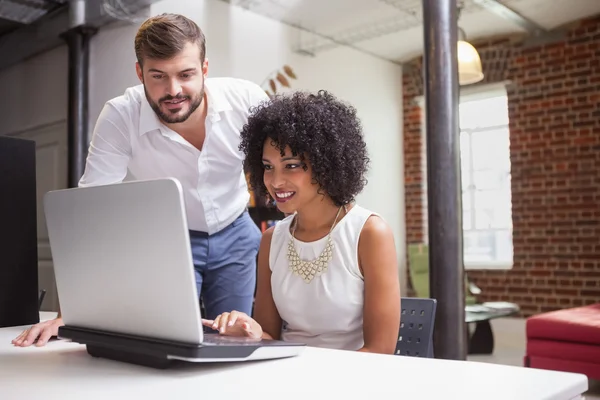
486,181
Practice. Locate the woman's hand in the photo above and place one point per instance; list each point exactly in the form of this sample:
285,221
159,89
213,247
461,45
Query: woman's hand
235,323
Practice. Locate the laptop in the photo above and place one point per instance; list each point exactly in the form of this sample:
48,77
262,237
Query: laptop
125,277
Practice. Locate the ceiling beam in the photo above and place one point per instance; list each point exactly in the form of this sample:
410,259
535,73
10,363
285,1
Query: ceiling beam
45,33
326,42
23,11
359,34
509,14
407,19
322,40
33,39
32,4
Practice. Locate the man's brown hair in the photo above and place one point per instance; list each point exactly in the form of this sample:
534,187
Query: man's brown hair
164,36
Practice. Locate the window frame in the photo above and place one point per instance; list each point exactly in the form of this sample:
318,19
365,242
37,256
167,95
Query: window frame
470,93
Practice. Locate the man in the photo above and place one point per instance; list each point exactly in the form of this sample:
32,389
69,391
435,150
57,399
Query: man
179,124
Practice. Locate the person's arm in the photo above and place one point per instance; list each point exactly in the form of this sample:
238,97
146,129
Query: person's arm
379,265
266,323
109,151
265,311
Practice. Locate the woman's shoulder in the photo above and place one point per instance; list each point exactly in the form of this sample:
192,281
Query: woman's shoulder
363,216
279,228
375,234
284,223
373,225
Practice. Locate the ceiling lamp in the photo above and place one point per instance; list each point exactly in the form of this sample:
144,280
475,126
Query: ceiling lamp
469,62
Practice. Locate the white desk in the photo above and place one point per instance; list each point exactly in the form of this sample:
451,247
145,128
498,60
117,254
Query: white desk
64,370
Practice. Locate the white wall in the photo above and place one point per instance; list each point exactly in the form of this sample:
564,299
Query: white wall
34,92
239,44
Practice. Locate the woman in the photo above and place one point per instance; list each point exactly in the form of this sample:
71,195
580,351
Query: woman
327,273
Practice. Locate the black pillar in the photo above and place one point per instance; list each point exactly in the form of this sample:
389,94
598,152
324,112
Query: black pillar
78,40
443,177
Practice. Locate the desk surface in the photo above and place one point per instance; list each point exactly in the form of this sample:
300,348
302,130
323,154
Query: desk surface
64,370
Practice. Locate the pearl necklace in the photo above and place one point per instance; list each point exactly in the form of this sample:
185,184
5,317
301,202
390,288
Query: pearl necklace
307,270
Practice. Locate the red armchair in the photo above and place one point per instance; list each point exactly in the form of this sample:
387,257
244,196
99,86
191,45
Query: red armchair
565,340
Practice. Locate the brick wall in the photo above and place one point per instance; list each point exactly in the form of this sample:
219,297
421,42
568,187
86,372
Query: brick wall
554,111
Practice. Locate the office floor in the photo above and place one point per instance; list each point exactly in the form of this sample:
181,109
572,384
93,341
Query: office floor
509,338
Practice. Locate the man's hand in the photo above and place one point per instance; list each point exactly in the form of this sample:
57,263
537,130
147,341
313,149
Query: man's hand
42,332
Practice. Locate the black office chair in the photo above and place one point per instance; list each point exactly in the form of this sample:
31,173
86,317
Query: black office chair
417,321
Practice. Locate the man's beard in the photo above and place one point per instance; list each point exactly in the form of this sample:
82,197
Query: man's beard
169,118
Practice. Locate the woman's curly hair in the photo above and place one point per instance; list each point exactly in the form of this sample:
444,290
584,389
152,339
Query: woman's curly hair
315,126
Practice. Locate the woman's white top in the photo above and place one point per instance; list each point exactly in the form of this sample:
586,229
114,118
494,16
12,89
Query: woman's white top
328,311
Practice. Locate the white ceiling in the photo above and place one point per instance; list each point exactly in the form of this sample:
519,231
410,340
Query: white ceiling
392,29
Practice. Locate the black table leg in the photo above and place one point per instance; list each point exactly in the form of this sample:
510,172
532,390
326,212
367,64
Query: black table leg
482,340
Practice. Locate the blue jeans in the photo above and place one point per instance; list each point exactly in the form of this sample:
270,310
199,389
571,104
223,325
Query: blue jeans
225,266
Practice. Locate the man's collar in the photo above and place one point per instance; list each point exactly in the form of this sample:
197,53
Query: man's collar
149,121
217,103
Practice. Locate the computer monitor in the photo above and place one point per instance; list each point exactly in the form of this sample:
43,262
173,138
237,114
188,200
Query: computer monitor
18,233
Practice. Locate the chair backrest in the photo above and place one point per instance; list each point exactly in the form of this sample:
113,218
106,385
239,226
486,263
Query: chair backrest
417,321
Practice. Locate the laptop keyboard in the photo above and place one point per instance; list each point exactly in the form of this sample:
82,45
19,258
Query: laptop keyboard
216,339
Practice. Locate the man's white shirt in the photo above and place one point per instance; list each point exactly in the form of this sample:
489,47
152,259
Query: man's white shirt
129,136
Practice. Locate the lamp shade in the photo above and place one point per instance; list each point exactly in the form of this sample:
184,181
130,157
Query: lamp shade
469,64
